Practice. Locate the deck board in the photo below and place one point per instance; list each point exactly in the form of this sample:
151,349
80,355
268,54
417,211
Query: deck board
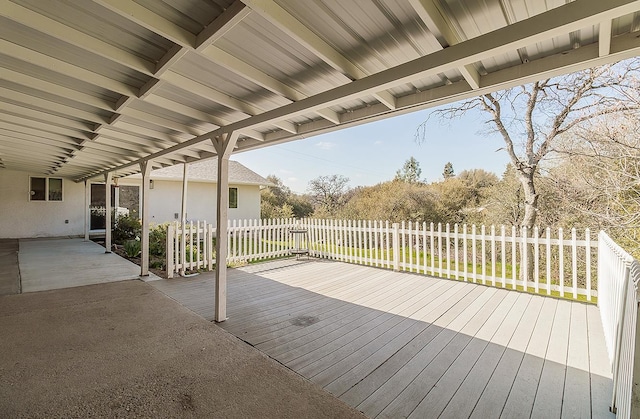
397,344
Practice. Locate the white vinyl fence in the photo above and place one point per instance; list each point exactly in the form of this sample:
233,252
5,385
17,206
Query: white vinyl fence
192,247
619,278
551,263
488,255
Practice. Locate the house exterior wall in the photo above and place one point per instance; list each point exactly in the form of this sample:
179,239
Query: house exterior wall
21,218
165,201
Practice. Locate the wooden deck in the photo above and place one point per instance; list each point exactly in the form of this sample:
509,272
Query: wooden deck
404,345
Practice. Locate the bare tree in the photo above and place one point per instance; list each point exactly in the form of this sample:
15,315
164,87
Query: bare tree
531,118
599,178
328,192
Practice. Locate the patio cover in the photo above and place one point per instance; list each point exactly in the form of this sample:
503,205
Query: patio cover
94,86
114,87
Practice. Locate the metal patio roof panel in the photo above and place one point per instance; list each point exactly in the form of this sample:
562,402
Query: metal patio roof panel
374,38
272,51
26,40
207,72
119,80
94,20
192,15
46,79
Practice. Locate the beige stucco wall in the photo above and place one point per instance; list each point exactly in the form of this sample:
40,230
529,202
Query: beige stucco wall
166,197
21,218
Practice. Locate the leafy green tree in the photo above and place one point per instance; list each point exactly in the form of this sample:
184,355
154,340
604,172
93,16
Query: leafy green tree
393,201
410,171
477,181
277,201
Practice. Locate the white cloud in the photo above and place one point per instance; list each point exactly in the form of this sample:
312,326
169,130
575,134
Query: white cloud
379,142
325,145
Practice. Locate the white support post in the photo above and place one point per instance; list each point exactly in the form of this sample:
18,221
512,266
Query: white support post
116,199
87,201
224,146
145,171
183,208
107,212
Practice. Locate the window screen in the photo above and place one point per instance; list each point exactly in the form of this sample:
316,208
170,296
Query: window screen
55,189
233,197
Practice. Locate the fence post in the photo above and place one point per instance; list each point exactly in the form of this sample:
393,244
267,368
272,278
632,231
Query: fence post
396,246
169,251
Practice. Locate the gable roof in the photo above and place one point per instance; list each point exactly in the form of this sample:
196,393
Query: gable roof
207,171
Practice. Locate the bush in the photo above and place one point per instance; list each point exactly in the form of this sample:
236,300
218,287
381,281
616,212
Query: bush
126,228
158,240
132,248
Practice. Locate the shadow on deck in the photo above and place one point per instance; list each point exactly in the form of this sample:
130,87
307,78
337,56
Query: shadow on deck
403,345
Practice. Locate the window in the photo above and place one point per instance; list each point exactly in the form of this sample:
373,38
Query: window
233,197
45,189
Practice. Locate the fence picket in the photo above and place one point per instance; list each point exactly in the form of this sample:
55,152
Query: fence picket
473,254
587,238
433,251
483,231
561,262
465,252
548,243
448,244
440,249
536,257
514,272
525,259
574,263
503,256
493,255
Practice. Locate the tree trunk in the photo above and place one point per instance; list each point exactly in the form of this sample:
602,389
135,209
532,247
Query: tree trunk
530,200
529,220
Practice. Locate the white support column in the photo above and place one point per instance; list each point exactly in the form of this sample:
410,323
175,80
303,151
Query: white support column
145,171
107,212
185,175
224,146
87,213
116,198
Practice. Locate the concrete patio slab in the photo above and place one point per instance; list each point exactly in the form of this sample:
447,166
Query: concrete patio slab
47,264
9,270
126,350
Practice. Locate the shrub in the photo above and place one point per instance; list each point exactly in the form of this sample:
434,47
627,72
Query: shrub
132,248
191,253
126,228
158,240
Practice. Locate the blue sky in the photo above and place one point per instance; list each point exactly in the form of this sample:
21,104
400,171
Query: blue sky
372,153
